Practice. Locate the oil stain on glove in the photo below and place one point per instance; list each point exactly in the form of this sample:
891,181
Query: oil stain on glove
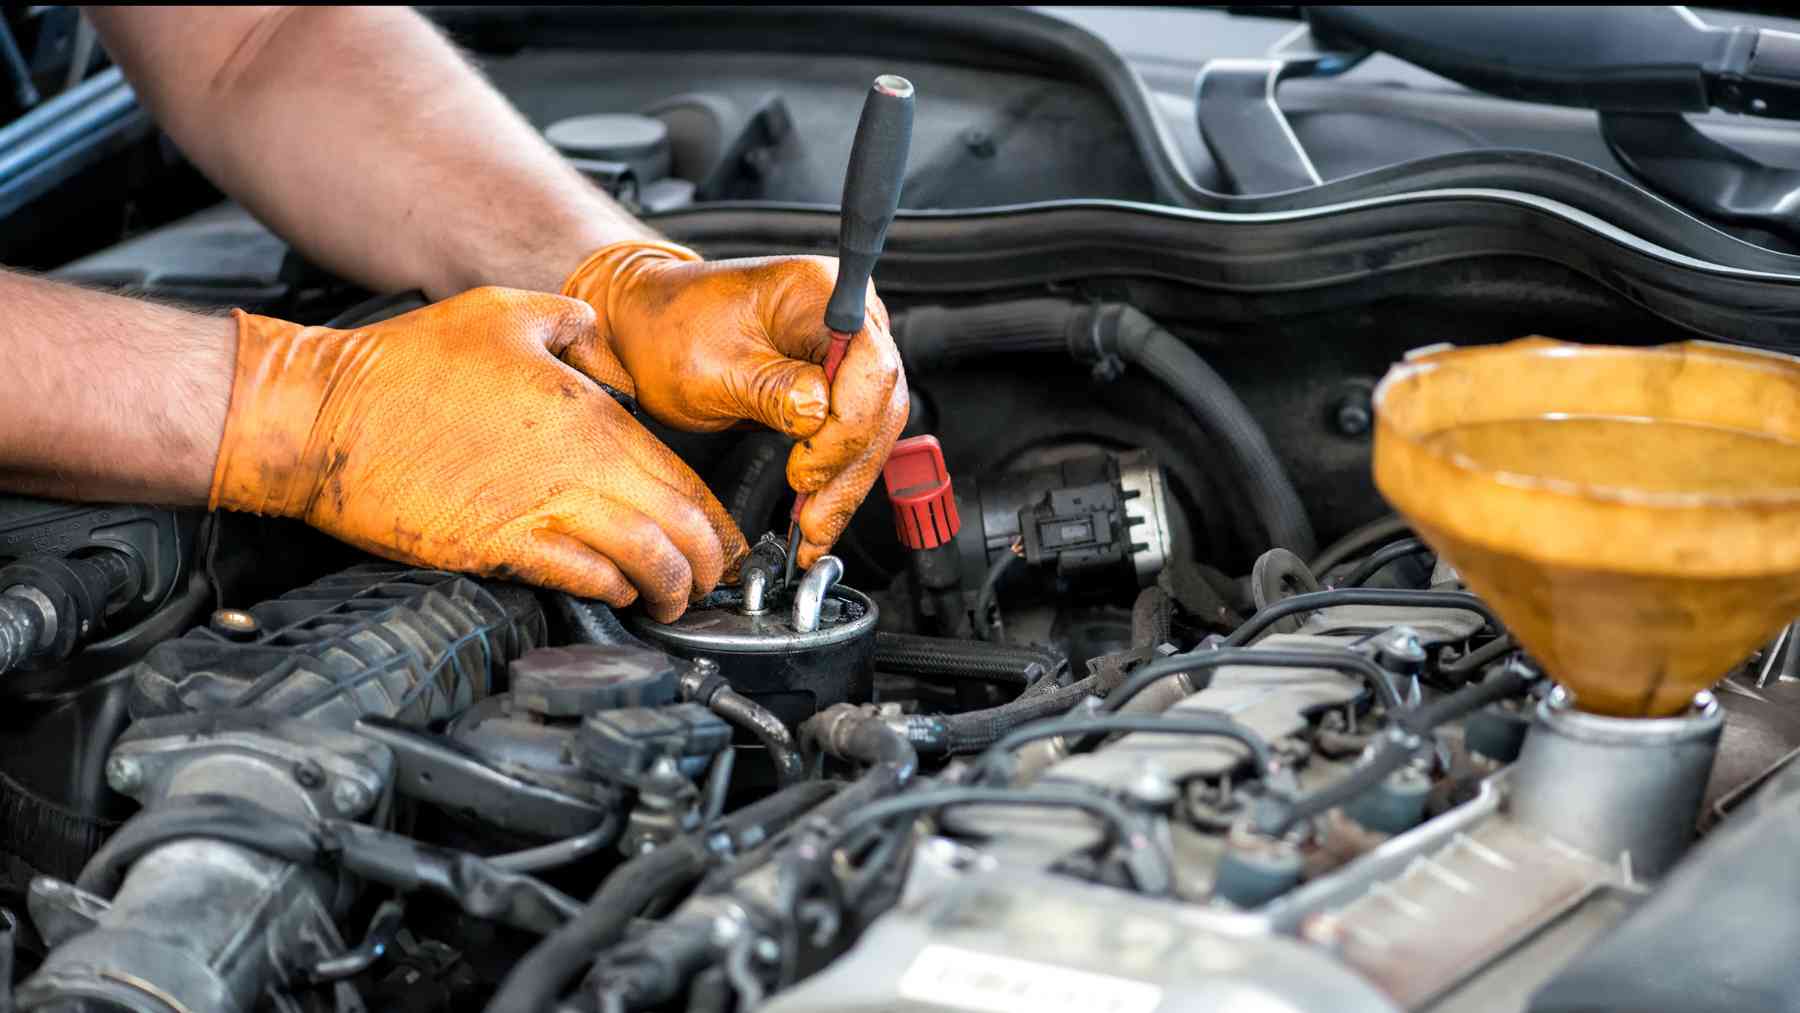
710,345
469,436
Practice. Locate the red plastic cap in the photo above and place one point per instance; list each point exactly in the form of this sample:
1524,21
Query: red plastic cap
918,485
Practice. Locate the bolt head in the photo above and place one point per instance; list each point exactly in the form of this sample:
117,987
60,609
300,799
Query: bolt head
1150,786
124,774
308,774
350,798
1352,414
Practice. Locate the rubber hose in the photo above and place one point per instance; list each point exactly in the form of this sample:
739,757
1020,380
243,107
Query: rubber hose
934,337
1378,560
939,337
1481,657
564,852
1199,723
971,732
540,976
954,660
848,733
1389,757
592,622
1357,540
1200,665
1134,337
1468,700
1396,751
1267,616
537,980
992,629
762,723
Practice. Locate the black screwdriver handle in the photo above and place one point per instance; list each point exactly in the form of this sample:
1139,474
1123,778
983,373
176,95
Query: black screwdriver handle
871,195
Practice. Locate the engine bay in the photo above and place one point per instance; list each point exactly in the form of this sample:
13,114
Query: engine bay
1127,689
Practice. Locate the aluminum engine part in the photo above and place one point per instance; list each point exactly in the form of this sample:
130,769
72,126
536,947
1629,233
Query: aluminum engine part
198,924
1624,789
1003,940
1274,702
1486,902
1449,901
206,926
1472,904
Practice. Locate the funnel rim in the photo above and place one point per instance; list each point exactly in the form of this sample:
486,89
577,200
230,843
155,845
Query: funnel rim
1419,442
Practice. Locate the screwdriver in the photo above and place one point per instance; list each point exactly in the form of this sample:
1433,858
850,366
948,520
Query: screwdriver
871,196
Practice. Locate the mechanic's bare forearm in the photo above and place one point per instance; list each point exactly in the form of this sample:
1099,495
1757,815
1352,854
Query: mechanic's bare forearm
362,136
110,398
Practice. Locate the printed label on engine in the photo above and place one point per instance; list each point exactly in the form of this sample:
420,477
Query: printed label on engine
970,980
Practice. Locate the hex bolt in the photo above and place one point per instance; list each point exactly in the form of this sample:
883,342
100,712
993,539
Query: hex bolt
1151,787
125,774
1352,413
308,774
349,797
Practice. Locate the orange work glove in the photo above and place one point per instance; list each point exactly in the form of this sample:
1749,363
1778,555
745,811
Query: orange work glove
710,345
458,436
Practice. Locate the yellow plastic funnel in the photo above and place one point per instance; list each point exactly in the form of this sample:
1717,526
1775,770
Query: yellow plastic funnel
1633,514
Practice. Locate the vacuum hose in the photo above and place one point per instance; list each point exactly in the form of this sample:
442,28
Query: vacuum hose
934,337
540,977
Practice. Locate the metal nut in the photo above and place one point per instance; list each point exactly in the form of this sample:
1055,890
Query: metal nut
350,797
125,774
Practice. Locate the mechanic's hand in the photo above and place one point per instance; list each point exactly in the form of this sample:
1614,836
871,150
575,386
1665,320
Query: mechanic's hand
710,345
454,437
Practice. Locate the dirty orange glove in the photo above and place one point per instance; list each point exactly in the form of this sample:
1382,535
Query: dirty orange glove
710,345
458,436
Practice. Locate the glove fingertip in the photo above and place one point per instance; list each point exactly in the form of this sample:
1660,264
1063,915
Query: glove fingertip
666,611
803,473
809,553
806,405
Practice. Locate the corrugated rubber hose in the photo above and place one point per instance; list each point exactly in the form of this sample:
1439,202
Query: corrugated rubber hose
952,660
